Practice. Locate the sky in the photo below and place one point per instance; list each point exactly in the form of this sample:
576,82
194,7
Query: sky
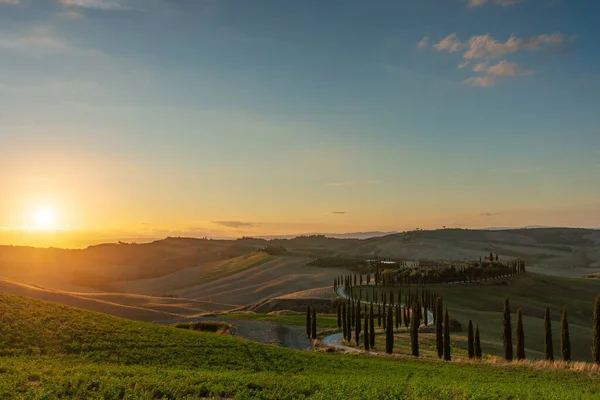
131,118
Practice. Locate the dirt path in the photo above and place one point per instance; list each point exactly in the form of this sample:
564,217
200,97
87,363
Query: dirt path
292,337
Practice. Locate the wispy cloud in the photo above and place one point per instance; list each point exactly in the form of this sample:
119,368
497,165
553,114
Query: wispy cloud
10,2
236,224
42,41
482,49
352,183
424,42
108,5
515,170
338,212
489,214
481,3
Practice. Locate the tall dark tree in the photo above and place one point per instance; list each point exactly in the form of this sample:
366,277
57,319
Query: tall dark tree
389,333
339,315
366,338
314,325
565,340
446,336
414,329
507,332
379,315
372,328
471,341
352,314
349,322
520,336
308,322
357,331
439,334
477,344
385,320
596,333
344,320
425,313
407,316
548,349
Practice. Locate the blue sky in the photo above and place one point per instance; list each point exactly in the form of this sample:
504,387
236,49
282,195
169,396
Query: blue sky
169,115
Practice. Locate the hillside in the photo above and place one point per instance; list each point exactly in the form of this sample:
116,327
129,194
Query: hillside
137,307
51,351
248,283
482,302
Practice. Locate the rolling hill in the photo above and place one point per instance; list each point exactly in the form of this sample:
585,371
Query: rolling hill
54,351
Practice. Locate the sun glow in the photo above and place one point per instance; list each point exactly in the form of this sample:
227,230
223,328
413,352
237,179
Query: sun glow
44,218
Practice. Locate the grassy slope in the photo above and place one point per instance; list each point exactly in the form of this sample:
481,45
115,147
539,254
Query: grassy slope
195,276
51,351
532,292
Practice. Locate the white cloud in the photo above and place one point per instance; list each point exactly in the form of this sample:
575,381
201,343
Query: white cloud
450,43
481,3
504,68
476,3
424,42
485,48
109,5
10,2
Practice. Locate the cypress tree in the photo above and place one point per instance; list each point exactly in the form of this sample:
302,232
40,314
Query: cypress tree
352,315
414,330
520,336
357,331
366,338
379,315
439,338
596,333
446,336
407,316
565,341
349,322
308,323
507,332
339,316
384,318
471,341
344,320
314,324
548,336
372,329
425,313
478,353
389,333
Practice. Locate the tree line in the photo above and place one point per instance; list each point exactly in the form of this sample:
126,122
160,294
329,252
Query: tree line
472,272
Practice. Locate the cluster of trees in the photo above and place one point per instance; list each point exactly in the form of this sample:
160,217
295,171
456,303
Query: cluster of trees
565,341
311,322
465,273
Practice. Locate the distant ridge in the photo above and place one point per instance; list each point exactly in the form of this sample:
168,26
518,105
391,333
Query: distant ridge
350,235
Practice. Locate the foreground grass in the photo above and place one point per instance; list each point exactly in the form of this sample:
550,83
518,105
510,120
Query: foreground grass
483,303
323,321
52,351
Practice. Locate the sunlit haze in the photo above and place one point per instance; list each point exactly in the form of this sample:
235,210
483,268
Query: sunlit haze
140,119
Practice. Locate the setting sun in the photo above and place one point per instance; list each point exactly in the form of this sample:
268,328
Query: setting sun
44,218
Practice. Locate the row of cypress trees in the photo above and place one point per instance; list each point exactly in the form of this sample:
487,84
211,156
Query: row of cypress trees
548,342
473,272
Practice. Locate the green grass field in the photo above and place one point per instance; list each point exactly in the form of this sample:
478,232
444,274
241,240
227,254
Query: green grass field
50,351
483,303
323,321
